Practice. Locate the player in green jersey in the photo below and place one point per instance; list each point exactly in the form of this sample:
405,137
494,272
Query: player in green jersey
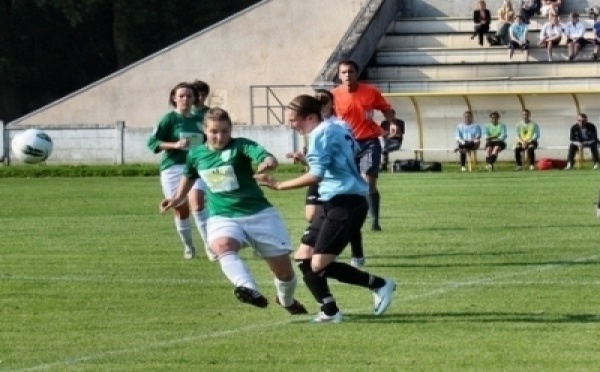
177,132
239,213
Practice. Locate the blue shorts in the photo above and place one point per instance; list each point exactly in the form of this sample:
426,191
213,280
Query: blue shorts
370,160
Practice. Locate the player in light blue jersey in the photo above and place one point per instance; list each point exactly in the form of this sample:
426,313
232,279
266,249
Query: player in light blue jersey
331,160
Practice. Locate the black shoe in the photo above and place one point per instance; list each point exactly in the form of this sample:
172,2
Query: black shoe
296,308
250,296
375,227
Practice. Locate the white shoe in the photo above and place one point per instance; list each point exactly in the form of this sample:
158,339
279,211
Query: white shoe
518,168
531,167
569,166
189,253
324,318
382,297
463,169
357,262
596,166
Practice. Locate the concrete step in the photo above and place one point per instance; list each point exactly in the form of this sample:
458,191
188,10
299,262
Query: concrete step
485,71
440,25
429,56
490,85
445,40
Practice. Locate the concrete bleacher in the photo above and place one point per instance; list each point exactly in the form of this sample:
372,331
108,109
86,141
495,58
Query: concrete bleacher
433,65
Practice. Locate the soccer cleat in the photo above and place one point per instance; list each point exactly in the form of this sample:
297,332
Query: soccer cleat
324,318
569,166
357,262
189,253
296,308
531,167
382,297
250,296
489,167
518,168
375,227
596,166
463,169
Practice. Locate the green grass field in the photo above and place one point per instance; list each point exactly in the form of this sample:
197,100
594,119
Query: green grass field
496,271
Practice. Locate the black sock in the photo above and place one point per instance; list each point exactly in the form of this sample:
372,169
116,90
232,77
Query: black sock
317,285
356,244
374,200
488,159
350,275
493,158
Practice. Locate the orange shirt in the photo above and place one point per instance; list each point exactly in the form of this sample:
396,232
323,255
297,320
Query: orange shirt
357,109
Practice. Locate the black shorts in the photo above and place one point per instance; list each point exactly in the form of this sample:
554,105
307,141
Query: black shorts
553,42
581,41
514,45
335,223
312,195
370,160
500,144
392,144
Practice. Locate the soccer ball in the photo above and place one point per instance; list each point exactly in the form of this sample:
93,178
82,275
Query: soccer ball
32,146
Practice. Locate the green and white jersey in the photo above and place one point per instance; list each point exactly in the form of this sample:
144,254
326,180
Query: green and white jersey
231,189
171,128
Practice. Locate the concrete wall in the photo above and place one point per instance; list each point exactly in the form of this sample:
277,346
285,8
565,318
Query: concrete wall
118,144
274,42
464,8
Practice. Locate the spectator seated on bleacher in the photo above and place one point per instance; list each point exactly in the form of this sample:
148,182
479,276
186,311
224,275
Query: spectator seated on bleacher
550,8
550,35
393,135
595,12
506,16
583,134
468,138
575,32
528,9
481,21
518,38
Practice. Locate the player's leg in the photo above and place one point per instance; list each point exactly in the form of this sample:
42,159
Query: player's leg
369,168
268,235
169,180
200,214
226,236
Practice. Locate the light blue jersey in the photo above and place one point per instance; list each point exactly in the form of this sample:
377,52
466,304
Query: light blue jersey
331,158
467,132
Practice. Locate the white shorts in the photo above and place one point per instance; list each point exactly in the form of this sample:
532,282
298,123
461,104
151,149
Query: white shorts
263,231
170,178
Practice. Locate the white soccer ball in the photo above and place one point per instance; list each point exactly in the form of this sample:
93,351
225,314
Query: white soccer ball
32,146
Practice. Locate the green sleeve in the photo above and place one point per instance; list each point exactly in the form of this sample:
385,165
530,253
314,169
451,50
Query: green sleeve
254,151
160,134
190,171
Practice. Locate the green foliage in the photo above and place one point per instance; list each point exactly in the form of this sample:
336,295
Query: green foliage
496,272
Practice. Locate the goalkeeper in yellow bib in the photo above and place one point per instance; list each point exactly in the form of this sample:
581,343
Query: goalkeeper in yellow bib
239,213
528,134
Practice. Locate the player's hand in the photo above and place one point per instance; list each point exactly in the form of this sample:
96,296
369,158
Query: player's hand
266,180
297,156
181,144
167,204
268,164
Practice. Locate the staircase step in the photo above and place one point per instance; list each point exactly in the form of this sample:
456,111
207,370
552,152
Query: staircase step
439,25
485,71
446,40
428,56
490,85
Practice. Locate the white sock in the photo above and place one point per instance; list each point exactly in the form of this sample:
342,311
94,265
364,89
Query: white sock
200,217
285,291
184,229
236,271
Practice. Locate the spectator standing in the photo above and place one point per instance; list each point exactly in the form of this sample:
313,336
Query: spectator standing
575,31
528,134
355,104
550,35
468,138
583,134
528,9
481,20
518,38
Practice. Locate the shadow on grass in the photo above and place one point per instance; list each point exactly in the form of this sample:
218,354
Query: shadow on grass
372,265
473,317
447,254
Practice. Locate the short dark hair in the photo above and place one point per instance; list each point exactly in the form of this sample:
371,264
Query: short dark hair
348,62
494,113
217,114
201,86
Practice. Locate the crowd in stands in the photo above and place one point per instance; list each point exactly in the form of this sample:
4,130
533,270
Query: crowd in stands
513,25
